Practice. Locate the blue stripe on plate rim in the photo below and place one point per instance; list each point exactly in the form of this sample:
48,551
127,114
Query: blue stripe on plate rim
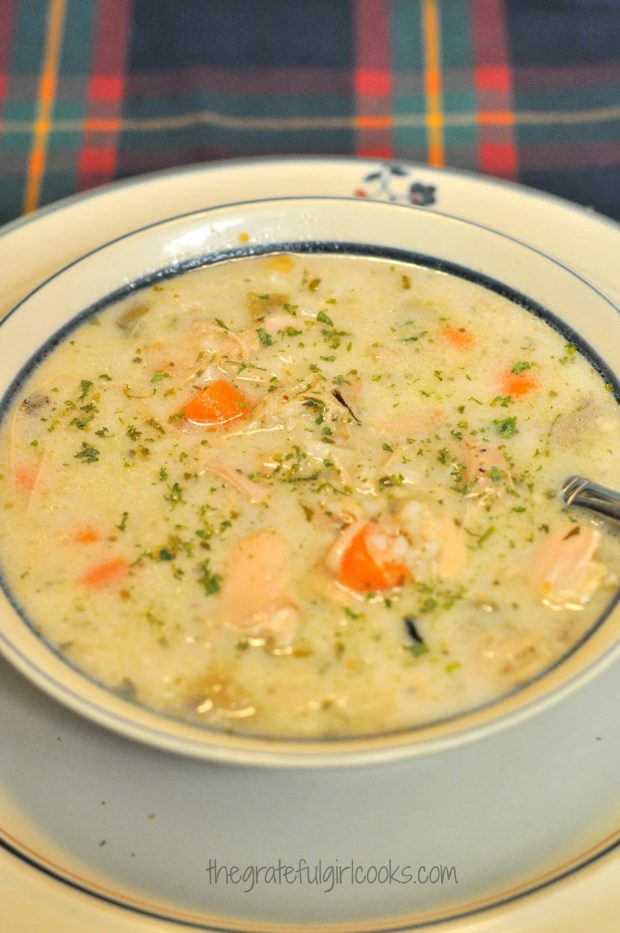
536,886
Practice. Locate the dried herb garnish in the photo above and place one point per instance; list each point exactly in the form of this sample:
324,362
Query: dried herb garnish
340,398
212,582
505,427
87,454
412,632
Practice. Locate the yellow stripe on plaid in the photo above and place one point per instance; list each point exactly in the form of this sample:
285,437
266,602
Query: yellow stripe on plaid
432,81
45,103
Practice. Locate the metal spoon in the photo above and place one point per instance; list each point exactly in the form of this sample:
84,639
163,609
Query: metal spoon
577,490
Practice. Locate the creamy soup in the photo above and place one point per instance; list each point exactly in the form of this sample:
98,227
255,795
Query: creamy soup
309,495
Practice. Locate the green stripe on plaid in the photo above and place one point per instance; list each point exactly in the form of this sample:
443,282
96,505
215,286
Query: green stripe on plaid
20,103
29,37
459,94
408,98
76,58
71,102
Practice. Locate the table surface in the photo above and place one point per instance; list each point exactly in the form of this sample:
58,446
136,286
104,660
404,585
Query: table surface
95,90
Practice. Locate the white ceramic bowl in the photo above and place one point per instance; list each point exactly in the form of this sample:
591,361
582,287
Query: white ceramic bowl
311,224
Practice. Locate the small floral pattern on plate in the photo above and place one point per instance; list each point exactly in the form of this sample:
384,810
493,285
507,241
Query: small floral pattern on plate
392,182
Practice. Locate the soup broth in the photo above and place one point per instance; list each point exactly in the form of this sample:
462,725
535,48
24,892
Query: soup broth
309,495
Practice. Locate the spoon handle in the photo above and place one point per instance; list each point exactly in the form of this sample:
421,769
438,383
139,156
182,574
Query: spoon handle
577,490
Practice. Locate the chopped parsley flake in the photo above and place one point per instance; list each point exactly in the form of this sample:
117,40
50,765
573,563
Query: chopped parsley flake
212,582
123,522
82,422
176,494
87,454
484,537
417,649
505,427
350,614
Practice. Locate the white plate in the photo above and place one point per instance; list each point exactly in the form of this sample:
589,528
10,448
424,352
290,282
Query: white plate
104,835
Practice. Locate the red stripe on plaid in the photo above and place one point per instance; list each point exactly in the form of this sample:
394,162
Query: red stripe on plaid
372,80
489,32
493,80
498,159
98,158
106,87
373,33
7,10
99,161
377,152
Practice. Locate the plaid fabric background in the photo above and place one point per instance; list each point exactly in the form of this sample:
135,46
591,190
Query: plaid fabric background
94,90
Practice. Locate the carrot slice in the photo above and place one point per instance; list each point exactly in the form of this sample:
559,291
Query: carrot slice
218,403
360,571
458,337
518,384
86,536
281,263
110,571
25,478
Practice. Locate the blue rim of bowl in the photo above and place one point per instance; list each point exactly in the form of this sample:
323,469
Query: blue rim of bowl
341,248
